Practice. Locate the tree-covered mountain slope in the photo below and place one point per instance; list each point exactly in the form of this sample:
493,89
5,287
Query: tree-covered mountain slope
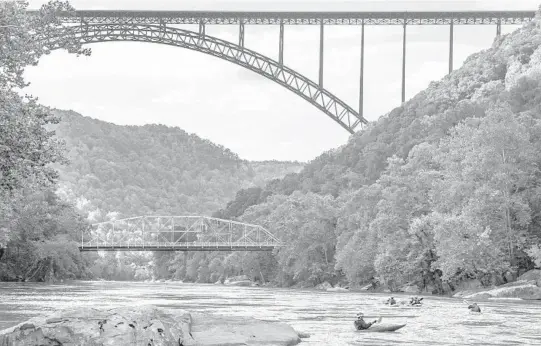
441,189
151,169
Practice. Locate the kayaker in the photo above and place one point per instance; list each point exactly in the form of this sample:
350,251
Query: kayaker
416,301
391,301
360,323
474,307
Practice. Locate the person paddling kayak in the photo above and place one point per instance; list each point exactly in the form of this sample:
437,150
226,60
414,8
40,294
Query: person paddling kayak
415,301
361,324
391,301
474,308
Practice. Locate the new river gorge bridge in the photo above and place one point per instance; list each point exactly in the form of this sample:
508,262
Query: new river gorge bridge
176,233
159,27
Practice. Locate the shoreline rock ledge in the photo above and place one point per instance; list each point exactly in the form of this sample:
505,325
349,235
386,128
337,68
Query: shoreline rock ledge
145,326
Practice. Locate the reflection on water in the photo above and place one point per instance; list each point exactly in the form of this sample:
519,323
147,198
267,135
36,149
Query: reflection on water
327,316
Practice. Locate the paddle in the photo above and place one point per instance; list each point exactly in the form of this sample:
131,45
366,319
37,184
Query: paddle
468,303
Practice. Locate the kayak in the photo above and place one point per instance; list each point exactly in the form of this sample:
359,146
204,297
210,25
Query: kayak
405,306
383,328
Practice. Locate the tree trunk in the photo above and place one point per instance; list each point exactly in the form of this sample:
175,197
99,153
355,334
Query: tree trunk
507,213
262,277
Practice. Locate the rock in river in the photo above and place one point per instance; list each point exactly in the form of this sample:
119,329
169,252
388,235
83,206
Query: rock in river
144,326
230,331
88,326
523,289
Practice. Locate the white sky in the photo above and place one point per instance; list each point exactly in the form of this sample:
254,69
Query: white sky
141,83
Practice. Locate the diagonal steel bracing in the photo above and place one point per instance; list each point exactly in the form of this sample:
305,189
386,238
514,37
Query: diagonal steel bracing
177,233
301,85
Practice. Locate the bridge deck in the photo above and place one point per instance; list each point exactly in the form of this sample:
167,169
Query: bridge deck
301,18
179,247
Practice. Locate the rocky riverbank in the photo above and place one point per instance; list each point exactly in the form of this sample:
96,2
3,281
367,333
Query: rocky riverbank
145,326
527,287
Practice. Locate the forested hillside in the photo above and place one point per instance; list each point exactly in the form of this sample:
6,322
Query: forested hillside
151,169
123,171
442,189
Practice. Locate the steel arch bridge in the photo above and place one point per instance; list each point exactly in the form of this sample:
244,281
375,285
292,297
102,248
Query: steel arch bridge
301,85
176,233
157,27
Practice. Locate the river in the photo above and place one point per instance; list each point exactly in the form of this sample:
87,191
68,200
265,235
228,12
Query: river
327,316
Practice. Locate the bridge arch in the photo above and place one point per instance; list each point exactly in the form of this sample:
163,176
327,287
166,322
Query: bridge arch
301,85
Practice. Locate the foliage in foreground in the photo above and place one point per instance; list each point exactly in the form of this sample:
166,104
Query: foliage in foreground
35,228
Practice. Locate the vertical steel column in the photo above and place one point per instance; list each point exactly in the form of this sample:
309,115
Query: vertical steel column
201,32
451,38
404,64
321,34
143,231
241,34
499,28
361,82
201,28
281,44
83,22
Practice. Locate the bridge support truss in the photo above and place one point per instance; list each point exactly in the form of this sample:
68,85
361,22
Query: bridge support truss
101,26
177,233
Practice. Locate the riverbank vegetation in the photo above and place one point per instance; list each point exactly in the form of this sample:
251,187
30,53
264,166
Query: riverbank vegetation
36,228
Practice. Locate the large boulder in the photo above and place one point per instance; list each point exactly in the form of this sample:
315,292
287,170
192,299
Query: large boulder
532,275
241,280
324,286
238,278
145,326
213,331
366,287
87,326
239,283
409,288
337,289
519,289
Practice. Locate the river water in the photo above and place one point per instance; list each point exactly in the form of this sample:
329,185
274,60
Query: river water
327,316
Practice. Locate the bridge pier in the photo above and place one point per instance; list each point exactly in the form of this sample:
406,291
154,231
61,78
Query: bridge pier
451,38
499,28
321,34
404,64
361,82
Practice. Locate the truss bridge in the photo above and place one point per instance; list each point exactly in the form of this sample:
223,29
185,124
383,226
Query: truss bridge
176,233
